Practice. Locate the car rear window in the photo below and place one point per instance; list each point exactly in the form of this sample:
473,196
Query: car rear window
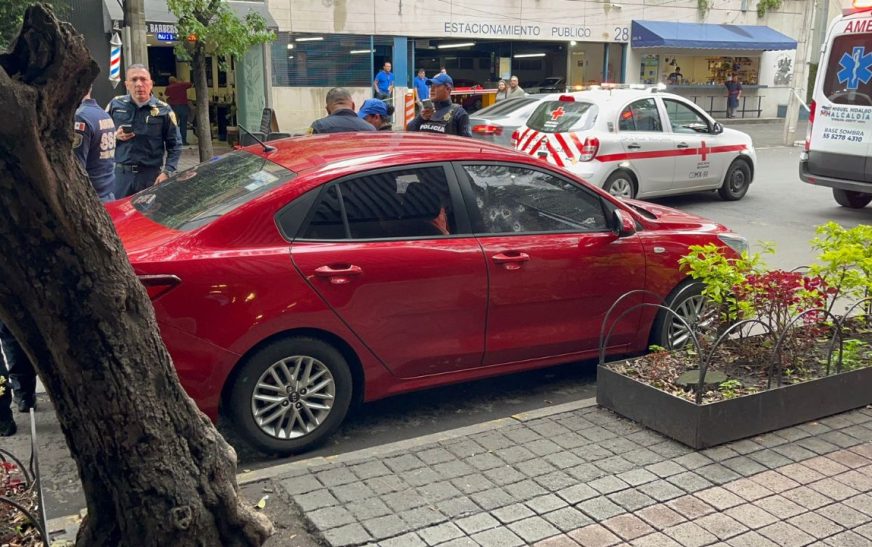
504,108
199,195
563,116
848,79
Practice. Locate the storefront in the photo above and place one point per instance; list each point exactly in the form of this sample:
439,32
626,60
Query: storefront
694,60
229,103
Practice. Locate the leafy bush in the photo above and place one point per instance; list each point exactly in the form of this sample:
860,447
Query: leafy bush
845,261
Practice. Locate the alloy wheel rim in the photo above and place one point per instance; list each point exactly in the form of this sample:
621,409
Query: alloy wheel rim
693,311
621,188
293,397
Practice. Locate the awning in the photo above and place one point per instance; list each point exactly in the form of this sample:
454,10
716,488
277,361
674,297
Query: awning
156,11
707,36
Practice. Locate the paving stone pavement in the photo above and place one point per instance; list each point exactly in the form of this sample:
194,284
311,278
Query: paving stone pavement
590,477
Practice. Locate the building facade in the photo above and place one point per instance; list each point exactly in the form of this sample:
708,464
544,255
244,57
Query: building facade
324,43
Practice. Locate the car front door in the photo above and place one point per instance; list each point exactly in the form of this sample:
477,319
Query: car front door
385,251
554,265
647,147
696,166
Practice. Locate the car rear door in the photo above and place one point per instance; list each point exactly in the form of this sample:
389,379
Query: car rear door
554,265
647,148
385,250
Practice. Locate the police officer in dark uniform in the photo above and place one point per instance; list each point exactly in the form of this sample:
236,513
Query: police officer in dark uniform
342,117
95,146
146,128
22,380
445,117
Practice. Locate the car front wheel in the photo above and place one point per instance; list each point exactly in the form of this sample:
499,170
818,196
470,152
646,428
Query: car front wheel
736,182
689,304
291,395
853,200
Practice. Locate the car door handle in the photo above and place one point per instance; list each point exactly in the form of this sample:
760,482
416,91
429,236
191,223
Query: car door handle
682,145
511,260
338,276
634,146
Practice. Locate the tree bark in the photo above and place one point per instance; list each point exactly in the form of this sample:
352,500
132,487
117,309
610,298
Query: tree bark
201,92
153,468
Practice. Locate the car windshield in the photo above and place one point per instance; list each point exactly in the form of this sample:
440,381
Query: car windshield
504,108
197,196
562,116
846,80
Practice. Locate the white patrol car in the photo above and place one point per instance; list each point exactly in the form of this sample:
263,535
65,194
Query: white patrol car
639,143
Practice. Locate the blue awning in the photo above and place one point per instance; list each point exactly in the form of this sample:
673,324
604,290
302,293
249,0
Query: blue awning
706,36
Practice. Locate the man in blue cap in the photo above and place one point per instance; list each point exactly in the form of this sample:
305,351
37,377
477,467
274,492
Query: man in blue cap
376,113
442,116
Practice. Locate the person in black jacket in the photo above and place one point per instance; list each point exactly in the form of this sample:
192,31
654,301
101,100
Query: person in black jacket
20,384
342,117
445,117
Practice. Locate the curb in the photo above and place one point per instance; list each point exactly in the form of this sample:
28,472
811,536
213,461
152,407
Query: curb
66,527
365,453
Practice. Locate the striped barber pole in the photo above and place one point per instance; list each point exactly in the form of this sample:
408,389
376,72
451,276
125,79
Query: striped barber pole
115,60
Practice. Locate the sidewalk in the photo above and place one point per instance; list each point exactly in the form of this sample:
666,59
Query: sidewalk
585,476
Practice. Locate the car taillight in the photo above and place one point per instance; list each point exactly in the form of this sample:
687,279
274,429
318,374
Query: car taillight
515,136
489,129
811,108
158,285
589,149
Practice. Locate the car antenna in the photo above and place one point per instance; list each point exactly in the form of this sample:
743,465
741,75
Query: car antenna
266,147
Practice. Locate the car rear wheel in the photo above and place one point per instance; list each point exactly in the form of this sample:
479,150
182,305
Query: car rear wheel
291,395
620,184
689,304
736,182
854,200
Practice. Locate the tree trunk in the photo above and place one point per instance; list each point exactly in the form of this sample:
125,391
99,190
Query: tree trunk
154,470
201,92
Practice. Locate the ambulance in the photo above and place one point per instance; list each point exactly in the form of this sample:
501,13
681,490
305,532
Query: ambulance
838,144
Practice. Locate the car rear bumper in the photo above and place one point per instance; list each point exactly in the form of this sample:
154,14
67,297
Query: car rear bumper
842,184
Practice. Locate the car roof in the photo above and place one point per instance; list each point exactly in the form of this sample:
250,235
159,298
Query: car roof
366,150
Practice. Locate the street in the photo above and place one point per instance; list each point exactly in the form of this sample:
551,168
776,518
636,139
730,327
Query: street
778,208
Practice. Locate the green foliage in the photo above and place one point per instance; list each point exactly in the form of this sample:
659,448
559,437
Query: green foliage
12,15
703,6
729,389
854,354
217,29
764,6
845,260
720,274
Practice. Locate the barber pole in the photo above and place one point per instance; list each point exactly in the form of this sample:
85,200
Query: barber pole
115,60
409,107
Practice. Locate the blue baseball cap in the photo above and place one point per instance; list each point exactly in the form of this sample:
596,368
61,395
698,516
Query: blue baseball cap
373,106
441,79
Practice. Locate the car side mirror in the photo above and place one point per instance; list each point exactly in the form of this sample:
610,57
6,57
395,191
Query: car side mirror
717,128
623,223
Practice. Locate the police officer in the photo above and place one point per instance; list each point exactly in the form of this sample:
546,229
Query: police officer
445,117
342,116
95,146
146,128
22,379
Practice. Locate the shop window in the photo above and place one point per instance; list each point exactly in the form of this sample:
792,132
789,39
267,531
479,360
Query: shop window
333,61
161,64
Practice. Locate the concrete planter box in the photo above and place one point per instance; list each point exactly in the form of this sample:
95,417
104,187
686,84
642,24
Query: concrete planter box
704,426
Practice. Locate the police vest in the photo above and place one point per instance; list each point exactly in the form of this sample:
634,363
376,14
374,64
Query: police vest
442,121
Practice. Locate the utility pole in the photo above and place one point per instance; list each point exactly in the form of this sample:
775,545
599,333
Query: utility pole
134,19
800,74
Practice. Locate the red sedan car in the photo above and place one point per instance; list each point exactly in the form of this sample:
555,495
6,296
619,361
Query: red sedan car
289,282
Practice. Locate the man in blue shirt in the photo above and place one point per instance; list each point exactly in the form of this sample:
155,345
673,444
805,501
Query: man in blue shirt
94,146
383,85
421,86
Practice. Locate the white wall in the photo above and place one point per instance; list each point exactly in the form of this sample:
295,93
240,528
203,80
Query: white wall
297,107
549,20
